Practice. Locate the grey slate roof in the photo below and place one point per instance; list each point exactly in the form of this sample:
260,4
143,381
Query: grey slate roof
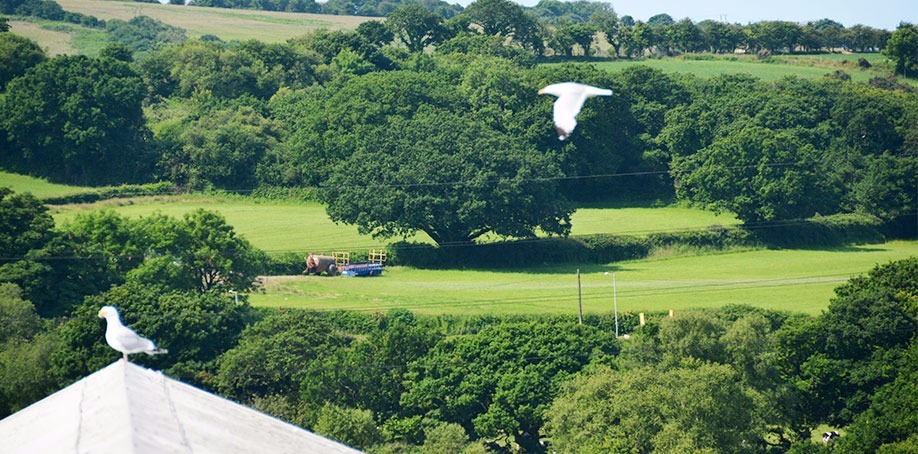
125,408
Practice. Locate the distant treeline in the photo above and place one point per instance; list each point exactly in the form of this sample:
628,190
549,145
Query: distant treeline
371,8
553,27
566,24
49,10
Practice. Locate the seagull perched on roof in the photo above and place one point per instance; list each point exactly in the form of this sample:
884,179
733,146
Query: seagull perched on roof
571,96
124,339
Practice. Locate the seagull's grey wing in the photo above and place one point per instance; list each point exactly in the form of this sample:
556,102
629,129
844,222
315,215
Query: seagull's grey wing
132,342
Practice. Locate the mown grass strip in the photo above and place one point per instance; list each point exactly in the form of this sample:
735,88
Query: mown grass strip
788,280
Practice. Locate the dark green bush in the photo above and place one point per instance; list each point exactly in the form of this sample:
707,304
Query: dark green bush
508,254
714,237
286,264
819,232
615,248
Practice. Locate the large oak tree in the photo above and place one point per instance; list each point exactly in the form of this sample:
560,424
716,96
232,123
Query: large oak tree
448,152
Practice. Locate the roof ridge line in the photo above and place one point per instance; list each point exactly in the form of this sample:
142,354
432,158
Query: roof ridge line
127,400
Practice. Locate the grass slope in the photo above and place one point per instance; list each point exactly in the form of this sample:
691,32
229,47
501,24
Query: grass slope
37,186
803,66
52,41
278,227
789,280
274,227
228,24
640,221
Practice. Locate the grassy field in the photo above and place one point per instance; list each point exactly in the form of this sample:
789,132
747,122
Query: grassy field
269,26
278,227
37,186
807,67
790,280
641,221
274,227
793,280
52,41
227,24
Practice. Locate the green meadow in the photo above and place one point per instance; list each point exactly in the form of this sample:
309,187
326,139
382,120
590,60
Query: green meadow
227,24
806,67
38,187
792,280
278,227
268,26
274,227
788,280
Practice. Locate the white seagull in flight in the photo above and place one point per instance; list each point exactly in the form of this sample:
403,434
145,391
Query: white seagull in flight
124,339
571,96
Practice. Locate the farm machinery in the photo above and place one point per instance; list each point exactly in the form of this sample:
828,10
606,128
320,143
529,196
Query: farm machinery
340,263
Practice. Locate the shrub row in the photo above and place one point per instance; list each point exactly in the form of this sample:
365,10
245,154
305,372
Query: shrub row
112,192
819,232
286,264
285,193
582,249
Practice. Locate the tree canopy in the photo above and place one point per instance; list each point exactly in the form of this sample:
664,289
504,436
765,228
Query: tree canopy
416,27
699,380
445,152
757,173
902,48
77,120
17,54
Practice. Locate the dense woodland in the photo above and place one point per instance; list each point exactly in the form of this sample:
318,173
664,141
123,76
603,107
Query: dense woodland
735,379
426,124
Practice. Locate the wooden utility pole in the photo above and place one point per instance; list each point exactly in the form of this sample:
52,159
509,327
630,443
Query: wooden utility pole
579,297
615,304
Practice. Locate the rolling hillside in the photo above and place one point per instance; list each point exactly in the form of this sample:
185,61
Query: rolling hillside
227,24
268,26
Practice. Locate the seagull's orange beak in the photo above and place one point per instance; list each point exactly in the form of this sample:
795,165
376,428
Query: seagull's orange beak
101,315
542,91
